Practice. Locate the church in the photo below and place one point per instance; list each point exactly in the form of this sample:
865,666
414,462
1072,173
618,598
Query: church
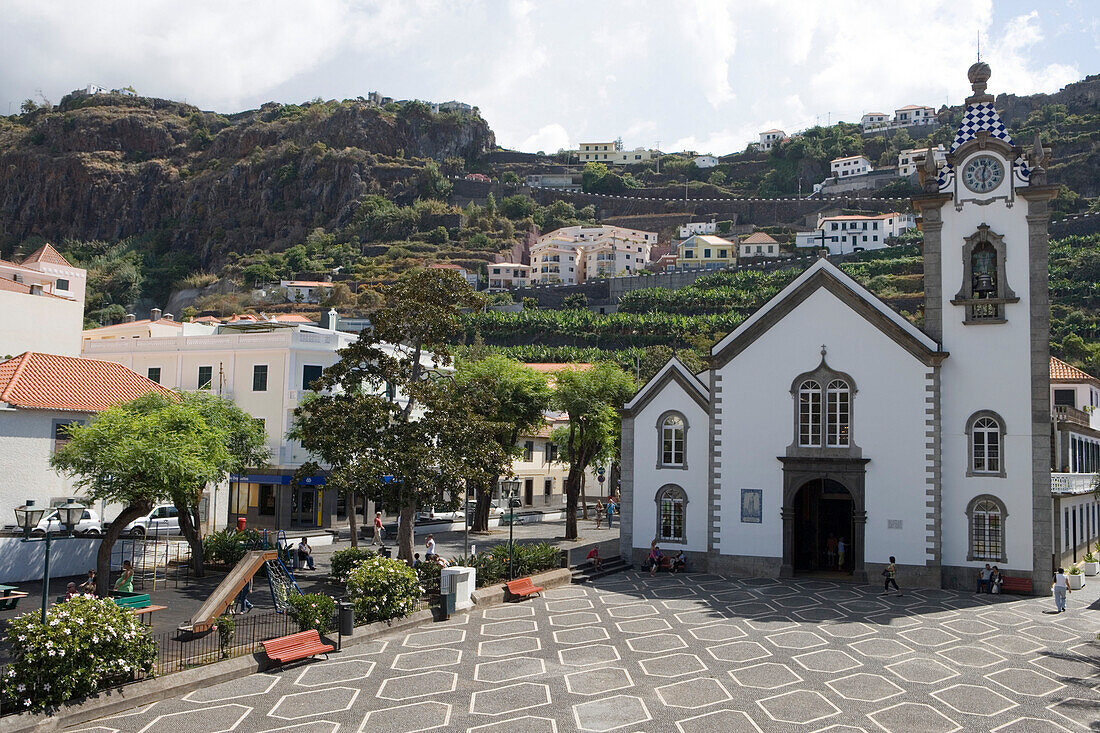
826,420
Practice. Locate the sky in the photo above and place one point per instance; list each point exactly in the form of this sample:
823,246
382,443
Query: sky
703,75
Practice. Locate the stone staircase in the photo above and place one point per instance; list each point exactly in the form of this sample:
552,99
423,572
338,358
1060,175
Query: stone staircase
584,572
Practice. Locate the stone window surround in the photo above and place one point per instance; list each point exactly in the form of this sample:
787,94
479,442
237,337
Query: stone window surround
824,375
970,445
661,439
661,493
965,296
970,557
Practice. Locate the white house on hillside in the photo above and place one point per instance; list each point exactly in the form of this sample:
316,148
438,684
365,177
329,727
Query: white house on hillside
843,234
41,304
757,245
914,114
874,120
698,227
705,161
908,160
508,275
562,256
853,165
770,138
305,291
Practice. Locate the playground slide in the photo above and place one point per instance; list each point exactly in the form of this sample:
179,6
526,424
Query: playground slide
226,592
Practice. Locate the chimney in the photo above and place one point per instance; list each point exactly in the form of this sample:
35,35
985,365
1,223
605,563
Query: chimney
154,314
36,289
130,318
168,317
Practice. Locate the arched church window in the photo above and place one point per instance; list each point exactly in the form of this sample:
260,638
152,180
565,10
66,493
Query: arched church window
986,517
839,413
673,440
809,414
671,514
985,432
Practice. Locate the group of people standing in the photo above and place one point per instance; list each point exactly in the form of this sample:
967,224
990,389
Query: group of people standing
608,510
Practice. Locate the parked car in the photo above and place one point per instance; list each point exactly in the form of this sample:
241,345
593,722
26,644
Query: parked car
164,519
432,514
89,524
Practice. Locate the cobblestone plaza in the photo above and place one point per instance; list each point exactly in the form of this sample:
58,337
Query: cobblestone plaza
686,653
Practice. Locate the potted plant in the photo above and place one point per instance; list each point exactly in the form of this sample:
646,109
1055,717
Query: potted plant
1090,565
1075,578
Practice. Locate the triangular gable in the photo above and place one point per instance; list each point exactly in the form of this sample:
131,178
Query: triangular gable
47,253
823,274
673,371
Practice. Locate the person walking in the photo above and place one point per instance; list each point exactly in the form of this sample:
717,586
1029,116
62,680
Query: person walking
125,582
610,512
242,597
891,574
377,530
830,551
841,547
599,513
1061,590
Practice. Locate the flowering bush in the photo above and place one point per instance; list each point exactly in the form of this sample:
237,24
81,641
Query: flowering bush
86,644
227,629
312,611
381,589
342,561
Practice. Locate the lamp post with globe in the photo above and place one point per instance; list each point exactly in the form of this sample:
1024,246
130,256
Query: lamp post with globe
28,516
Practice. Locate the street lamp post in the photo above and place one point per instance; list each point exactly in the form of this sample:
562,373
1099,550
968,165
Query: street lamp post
28,516
511,490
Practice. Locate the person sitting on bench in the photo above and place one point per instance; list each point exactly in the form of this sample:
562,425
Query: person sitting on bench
656,559
71,591
305,554
678,562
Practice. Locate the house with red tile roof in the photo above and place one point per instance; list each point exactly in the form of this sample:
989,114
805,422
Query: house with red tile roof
41,304
41,394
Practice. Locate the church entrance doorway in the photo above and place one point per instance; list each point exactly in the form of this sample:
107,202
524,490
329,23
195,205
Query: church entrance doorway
823,524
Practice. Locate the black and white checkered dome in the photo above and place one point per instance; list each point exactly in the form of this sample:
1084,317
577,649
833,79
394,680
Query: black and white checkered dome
981,116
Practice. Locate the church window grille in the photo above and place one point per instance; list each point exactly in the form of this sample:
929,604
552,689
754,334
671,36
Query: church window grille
839,412
809,414
671,514
986,517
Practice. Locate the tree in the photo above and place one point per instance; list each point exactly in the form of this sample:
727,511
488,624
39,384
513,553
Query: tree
140,452
510,395
420,315
591,399
575,301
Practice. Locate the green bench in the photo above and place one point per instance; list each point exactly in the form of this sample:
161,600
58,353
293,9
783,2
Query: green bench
137,603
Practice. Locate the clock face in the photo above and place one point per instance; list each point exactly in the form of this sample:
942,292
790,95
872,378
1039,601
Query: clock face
983,174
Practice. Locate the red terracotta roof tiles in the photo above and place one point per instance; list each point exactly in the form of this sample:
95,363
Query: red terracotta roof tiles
46,253
52,382
1062,371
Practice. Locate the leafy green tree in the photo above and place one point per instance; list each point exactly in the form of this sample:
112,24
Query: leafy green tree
509,177
592,400
575,301
518,206
510,395
717,178
138,453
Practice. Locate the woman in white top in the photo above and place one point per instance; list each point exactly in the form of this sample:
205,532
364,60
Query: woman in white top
1061,588
430,544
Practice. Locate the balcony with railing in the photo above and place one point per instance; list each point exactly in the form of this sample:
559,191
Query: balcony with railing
1072,483
1067,414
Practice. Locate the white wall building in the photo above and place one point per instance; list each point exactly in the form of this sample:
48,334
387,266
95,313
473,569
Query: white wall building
770,138
843,234
41,394
705,161
698,227
826,413
612,153
42,302
561,256
908,160
853,165
874,121
914,114
305,291
757,245
508,275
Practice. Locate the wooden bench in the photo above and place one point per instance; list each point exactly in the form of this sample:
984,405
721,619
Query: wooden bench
291,648
9,601
1016,585
523,587
147,611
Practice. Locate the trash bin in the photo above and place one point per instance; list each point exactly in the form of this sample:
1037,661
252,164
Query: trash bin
347,618
240,523
447,595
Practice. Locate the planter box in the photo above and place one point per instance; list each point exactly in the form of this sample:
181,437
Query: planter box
1076,582
1091,568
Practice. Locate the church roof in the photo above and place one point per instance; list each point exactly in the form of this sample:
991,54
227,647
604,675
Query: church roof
824,274
673,371
1060,371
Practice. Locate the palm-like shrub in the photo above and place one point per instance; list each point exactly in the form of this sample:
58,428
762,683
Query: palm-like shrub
86,644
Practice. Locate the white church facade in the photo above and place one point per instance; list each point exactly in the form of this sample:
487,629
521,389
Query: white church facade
827,417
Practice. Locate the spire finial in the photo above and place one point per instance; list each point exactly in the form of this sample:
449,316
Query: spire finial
823,351
979,74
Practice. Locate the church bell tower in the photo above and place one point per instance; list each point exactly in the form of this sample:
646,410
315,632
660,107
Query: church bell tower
984,216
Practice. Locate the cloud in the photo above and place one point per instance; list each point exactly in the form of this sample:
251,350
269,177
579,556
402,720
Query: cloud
550,139
1009,58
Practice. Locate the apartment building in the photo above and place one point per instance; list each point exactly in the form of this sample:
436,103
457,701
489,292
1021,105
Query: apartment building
612,153
874,120
508,275
853,165
698,227
909,160
42,301
842,234
573,254
1074,459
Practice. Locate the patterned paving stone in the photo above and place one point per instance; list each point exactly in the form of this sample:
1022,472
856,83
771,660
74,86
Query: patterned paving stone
848,630
334,673
510,699
656,643
693,694
929,636
718,632
503,613
1067,666
912,716
1013,644
1030,725
827,660
408,718
526,724
972,656
974,700
1025,682
506,670
438,637
799,706
427,659
215,720
739,651
511,627
796,640
577,618
635,610
306,704
865,687
643,626
922,671
771,624
584,635
505,647
1077,710
584,656
971,626
611,713
417,685
672,665
820,614
720,720
881,648
257,684
765,676
1049,634
598,681
569,604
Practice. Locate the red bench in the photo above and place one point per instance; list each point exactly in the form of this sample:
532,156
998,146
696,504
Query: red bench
291,648
523,587
1016,585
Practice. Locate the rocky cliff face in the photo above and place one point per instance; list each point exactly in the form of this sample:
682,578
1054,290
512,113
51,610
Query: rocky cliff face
109,167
